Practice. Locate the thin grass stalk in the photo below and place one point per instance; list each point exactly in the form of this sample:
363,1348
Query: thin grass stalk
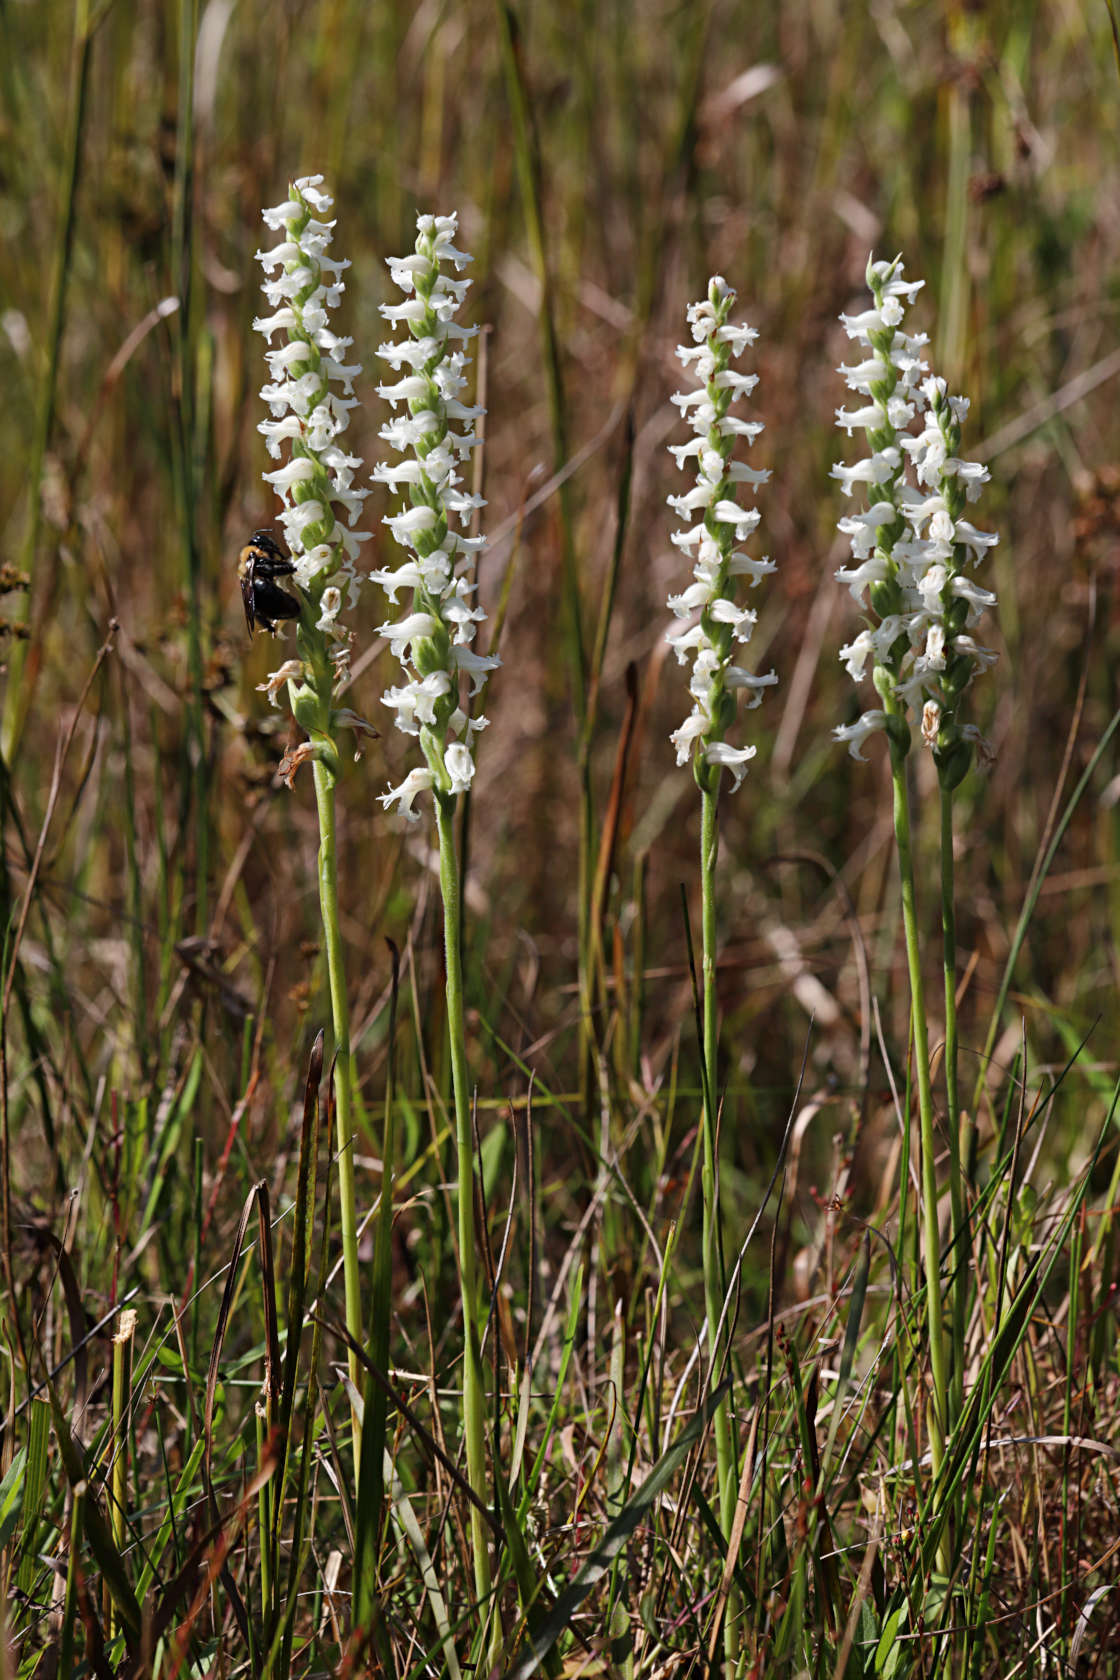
407,1526
36,1048
709,1173
1041,870
931,1246
955,271
135,888
298,1267
1067,1554
527,162
690,58
164,912
298,1544
474,1419
905,1429
949,939
122,1364
617,1469
726,1479
198,1225
264,1529
343,1077
973,1444
638,898
18,691
960,1237
67,1654
17,696
597,987
371,1492
187,466
531,1481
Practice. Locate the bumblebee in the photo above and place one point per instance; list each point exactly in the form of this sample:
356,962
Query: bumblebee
259,564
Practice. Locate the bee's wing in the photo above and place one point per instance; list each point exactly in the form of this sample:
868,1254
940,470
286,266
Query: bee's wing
247,600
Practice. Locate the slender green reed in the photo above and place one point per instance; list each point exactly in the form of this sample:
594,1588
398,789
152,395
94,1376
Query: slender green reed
20,679
527,157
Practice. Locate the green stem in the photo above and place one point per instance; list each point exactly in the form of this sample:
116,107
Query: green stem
343,1079
188,457
962,1126
18,690
526,154
121,1367
931,1246
473,1412
709,1172
958,1251
586,942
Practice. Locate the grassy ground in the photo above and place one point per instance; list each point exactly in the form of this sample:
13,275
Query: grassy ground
184,1501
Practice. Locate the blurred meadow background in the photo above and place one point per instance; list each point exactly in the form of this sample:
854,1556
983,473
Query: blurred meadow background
163,980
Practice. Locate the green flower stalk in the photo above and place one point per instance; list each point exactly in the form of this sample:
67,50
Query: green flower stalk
712,624
887,379
310,398
951,605
435,434
911,545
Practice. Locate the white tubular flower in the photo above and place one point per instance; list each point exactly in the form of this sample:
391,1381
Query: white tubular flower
436,434
416,782
309,394
712,623
885,379
855,734
946,604
308,413
912,543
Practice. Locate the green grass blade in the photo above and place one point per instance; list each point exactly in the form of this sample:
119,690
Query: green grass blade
597,1565
1032,897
